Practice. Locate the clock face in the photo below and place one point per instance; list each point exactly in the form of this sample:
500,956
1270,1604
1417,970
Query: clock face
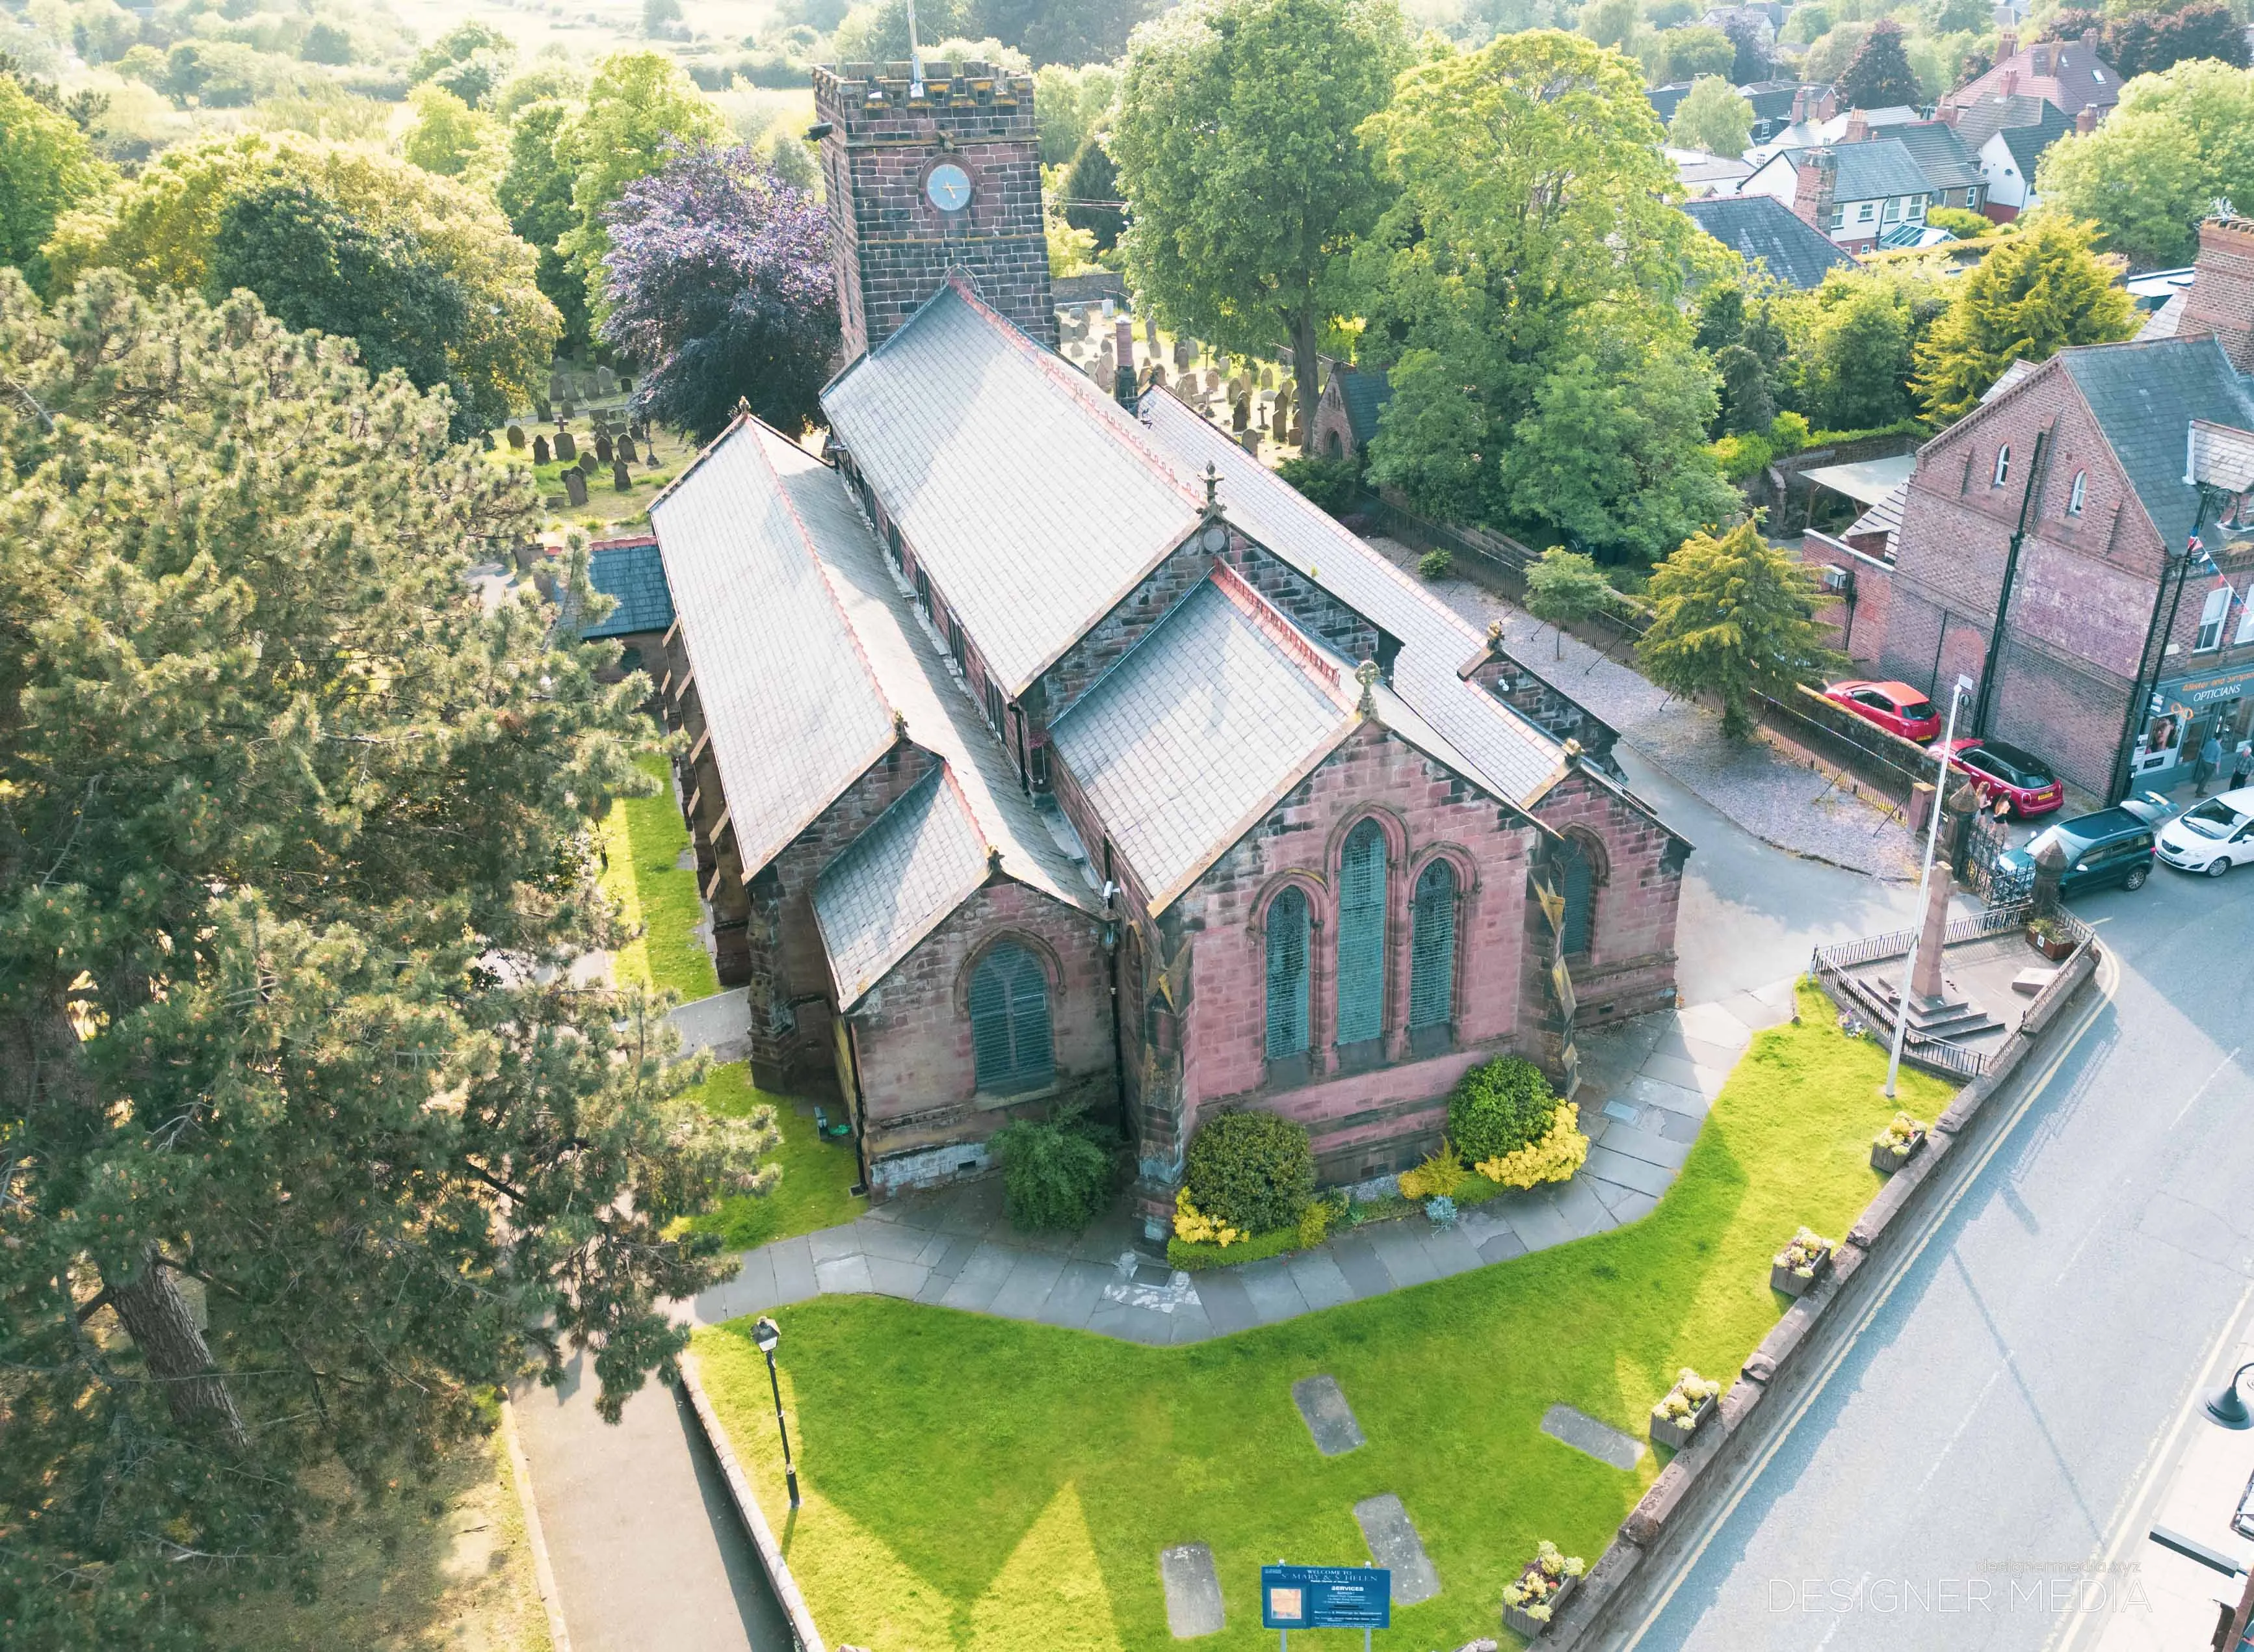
949,185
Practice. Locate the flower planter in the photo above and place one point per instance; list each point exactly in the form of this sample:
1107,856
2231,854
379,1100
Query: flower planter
1665,1430
2052,947
1523,1623
1887,1160
1795,1284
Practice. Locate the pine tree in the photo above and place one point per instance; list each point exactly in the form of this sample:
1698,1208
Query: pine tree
2036,292
307,1138
1735,617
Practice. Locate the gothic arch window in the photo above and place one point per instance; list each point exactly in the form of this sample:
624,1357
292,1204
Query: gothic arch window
2002,465
1432,948
2078,495
1361,935
1287,974
1010,1037
1576,881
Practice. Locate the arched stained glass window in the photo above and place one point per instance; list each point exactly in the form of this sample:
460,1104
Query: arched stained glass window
1362,936
1576,879
1010,1038
1287,974
1432,948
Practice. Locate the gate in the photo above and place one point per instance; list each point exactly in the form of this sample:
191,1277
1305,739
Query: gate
1979,866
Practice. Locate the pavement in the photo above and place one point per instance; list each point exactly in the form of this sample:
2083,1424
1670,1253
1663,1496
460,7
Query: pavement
1981,1467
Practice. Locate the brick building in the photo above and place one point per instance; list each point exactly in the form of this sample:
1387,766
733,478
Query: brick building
1046,749
2117,652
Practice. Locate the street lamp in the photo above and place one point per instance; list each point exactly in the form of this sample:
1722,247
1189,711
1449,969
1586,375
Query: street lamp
768,1335
2224,1407
1956,694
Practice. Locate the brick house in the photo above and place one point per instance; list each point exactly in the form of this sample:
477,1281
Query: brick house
2068,75
1046,749
1346,411
1851,191
2116,652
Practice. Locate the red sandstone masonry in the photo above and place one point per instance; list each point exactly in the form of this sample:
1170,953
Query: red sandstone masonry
1630,966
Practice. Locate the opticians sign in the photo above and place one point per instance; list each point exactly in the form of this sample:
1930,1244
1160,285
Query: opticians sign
2188,693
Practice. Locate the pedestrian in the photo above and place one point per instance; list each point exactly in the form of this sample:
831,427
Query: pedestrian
2241,764
2210,759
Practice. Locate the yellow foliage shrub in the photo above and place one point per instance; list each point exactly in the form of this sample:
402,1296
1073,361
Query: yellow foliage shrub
1437,1177
1192,1224
1555,1158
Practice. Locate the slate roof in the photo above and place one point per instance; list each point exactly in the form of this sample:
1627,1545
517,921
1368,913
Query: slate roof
1026,493
1363,392
892,885
1985,117
793,712
2163,322
633,572
1762,228
1883,518
1939,154
1503,752
1873,170
2028,143
2143,397
2072,76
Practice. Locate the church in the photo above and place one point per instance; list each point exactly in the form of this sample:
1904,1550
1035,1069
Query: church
1041,747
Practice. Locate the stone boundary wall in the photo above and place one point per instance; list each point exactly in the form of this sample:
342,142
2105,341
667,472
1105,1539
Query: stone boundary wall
1676,1509
802,1632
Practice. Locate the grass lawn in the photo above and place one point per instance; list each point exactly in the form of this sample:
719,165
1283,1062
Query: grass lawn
643,838
975,1482
816,1175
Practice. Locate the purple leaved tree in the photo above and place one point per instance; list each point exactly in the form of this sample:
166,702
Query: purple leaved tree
719,286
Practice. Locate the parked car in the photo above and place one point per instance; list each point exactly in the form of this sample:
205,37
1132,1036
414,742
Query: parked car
2113,846
1896,707
1998,770
2151,808
2212,836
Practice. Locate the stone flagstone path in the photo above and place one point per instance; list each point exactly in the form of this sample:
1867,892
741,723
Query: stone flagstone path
1646,1089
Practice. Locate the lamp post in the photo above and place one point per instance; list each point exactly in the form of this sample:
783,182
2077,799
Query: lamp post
768,1334
1932,837
2225,1408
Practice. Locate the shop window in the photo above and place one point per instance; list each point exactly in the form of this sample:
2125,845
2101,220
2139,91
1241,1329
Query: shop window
1010,1038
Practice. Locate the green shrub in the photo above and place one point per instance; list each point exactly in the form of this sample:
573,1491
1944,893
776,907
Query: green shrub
1331,483
1436,564
1253,1170
1742,458
1788,432
1500,1107
1959,222
1192,1257
1057,1172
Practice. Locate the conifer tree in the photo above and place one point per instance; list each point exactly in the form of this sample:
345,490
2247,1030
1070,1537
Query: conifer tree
2038,291
1735,616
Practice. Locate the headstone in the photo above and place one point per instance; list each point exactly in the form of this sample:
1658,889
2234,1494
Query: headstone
603,446
1329,1418
540,409
606,383
621,478
587,462
567,447
516,438
1250,441
575,486
540,450
1157,374
627,449
486,441
1394,1544
626,384
1241,415
1267,378
559,388
1585,1434
1194,1605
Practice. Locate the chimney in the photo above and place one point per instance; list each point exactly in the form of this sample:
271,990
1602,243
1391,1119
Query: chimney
2221,301
1815,181
1826,104
1949,115
1799,105
2010,84
2007,46
2085,119
2089,38
1122,380
1858,127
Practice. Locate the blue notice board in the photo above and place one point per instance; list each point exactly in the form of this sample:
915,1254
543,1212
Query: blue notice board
1326,1598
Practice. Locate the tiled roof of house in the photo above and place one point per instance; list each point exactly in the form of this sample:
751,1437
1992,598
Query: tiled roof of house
1982,118
794,713
1939,154
2143,397
1027,493
2029,143
631,571
2163,322
2065,73
1884,518
1761,228
1515,761
892,885
1871,170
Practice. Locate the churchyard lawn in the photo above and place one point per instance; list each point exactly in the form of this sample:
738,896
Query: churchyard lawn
978,1482
642,840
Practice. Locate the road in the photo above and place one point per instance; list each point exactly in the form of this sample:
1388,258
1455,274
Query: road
1968,1475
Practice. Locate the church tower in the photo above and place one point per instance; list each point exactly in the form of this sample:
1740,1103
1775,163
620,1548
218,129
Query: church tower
926,182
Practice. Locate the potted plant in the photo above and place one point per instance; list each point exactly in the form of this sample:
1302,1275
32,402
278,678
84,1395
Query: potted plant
1801,1263
2048,936
1546,1585
1688,1403
1897,1144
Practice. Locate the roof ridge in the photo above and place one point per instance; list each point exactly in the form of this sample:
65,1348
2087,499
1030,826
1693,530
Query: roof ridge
1277,627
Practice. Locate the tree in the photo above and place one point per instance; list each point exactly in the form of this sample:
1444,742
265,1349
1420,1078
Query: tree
451,139
469,60
2178,142
534,191
1860,359
1752,61
639,109
719,282
160,229
1879,76
2153,42
1525,285
878,32
1713,117
47,168
1608,22
1092,178
1240,218
1733,617
326,44
1072,105
2036,292
301,1156
1748,407
660,19
1564,588
1832,50
1092,31
1695,50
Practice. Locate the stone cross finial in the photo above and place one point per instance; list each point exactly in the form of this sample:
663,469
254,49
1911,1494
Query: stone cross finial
993,858
1494,634
743,407
1572,750
1212,488
1366,674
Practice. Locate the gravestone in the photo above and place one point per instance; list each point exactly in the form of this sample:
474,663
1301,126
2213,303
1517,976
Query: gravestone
1239,415
486,441
587,462
1394,1544
1150,331
620,479
1184,355
1157,374
565,409
1267,378
567,447
540,450
559,388
1329,1418
603,446
1250,441
516,438
542,411
575,486
626,384
1585,1434
627,449
1194,1605
606,383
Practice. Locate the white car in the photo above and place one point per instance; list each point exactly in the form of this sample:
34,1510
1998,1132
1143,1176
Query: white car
2212,836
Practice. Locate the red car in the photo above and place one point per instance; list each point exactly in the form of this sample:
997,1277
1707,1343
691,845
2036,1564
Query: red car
1998,770
1896,707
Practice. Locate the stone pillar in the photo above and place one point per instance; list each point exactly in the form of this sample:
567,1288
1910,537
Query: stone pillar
2050,866
1956,821
1925,982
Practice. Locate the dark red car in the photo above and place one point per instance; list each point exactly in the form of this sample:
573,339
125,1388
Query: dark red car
1896,707
1998,770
